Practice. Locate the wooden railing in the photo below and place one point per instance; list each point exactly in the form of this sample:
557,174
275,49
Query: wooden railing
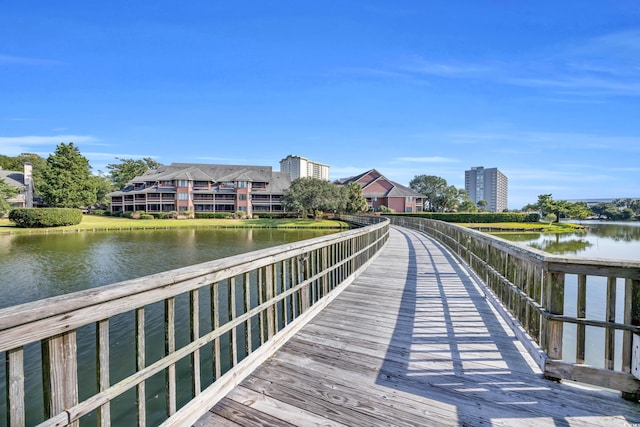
534,287
218,321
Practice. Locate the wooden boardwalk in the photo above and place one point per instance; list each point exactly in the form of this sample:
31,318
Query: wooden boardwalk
412,342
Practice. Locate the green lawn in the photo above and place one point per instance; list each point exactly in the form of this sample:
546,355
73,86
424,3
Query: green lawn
95,222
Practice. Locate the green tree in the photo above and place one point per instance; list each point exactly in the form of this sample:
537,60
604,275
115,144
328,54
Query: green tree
438,195
355,200
17,164
6,192
103,187
67,182
465,204
312,195
482,205
123,172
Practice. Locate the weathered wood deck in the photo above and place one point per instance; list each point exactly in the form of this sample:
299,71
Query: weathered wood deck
413,341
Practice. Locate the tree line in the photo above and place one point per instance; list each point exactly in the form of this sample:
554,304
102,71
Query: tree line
64,178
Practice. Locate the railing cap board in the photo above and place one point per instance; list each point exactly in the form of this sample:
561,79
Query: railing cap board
23,314
628,269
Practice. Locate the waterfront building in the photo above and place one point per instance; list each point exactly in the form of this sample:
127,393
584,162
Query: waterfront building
23,181
487,184
301,167
197,188
380,191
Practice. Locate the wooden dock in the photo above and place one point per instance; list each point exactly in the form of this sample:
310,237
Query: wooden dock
413,341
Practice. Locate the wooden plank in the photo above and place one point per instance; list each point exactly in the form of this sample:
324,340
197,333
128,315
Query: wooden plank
102,350
294,415
610,316
194,331
14,360
60,373
141,401
596,376
170,348
247,416
581,314
214,420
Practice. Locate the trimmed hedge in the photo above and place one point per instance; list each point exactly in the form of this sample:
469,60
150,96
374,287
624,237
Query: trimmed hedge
45,217
476,217
213,215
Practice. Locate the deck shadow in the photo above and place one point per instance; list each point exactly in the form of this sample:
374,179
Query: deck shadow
460,353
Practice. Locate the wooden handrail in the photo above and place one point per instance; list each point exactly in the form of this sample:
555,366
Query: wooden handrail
531,285
276,290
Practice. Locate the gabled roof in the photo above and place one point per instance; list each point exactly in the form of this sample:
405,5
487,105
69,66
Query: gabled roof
370,180
13,178
206,172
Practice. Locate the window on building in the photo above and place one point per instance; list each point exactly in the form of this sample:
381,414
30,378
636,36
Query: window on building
183,183
242,184
409,199
242,197
183,196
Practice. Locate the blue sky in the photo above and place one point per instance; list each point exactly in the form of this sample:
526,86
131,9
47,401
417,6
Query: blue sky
546,91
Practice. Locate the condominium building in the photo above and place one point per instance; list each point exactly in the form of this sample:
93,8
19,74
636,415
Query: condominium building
487,184
197,188
300,167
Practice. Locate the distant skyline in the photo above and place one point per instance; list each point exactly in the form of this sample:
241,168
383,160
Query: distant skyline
547,92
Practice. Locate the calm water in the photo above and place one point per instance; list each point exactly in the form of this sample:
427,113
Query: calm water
33,267
612,240
39,266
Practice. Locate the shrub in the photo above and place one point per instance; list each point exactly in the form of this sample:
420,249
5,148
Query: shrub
137,214
213,215
240,214
99,212
477,217
45,217
159,215
172,215
147,216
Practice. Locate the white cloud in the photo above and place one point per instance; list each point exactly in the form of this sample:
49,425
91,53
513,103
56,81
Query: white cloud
14,145
23,60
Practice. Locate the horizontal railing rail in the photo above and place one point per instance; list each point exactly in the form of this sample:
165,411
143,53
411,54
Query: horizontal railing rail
216,322
574,308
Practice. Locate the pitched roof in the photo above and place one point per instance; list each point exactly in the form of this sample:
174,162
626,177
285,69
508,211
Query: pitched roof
206,172
13,178
368,179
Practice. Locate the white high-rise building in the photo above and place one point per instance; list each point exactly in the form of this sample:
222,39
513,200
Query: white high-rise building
301,167
488,184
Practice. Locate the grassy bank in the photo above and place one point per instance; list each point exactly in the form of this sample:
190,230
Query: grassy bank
523,227
97,223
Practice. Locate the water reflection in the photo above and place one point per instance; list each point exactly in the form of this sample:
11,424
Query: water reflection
613,240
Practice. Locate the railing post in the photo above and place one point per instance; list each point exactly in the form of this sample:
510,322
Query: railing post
554,295
631,317
15,387
60,373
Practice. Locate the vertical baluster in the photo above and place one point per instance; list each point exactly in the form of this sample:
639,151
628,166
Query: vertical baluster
262,316
555,305
215,324
581,313
610,333
14,360
60,373
284,287
140,364
170,347
324,267
194,329
247,308
269,294
232,316
631,317
102,348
